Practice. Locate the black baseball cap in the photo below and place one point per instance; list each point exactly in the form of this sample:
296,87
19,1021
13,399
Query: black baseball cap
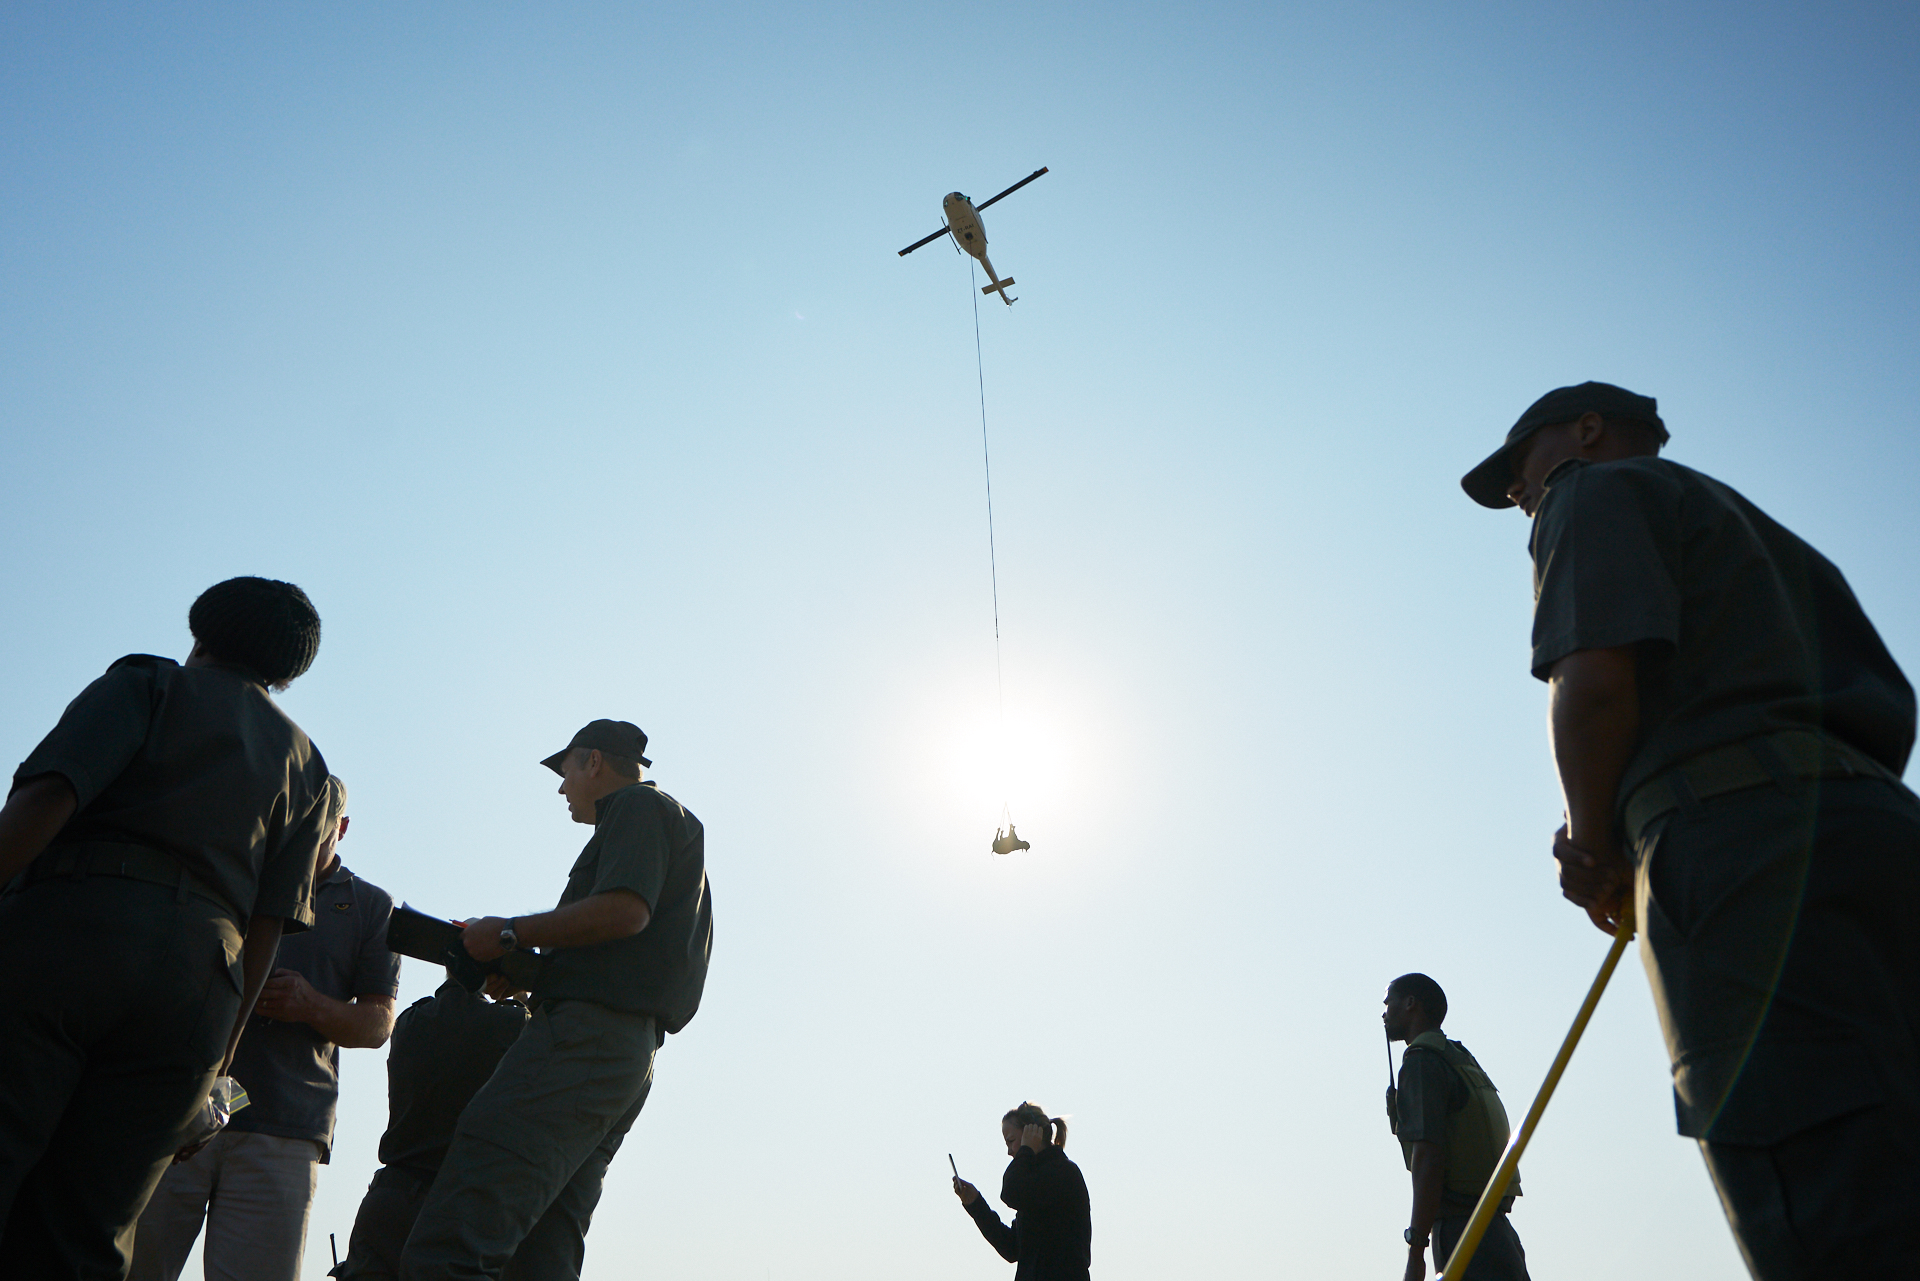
1487,483
616,738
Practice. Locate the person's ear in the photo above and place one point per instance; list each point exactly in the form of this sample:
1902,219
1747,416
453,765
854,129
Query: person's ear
594,762
1589,428
344,820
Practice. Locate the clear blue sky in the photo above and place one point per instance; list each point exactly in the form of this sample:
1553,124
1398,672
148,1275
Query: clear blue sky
562,354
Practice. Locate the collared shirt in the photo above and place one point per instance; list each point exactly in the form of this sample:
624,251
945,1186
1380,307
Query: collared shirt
291,1072
1740,628
646,842
444,1048
1429,1091
199,763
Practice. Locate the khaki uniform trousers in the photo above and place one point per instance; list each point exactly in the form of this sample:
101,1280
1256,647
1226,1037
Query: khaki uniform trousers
532,1149
108,1047
1777,930
253,1192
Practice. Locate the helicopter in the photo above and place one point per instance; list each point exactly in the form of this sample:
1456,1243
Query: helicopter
969,233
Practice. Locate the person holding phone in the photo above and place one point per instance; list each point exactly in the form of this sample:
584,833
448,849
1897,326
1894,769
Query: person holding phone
1052,1233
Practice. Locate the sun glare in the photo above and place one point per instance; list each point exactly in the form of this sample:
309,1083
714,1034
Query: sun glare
988,767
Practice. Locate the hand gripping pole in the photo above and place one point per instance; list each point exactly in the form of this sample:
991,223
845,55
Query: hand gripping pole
1495,1190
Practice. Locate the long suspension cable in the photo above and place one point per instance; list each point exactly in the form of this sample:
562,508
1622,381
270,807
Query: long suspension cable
986,462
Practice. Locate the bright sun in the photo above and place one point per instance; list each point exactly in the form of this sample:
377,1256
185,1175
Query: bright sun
1022,763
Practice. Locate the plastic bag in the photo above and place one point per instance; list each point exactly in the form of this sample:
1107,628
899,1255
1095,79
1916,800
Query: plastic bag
227,1097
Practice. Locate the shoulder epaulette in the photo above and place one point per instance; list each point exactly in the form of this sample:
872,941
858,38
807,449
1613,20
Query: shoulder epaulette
142,660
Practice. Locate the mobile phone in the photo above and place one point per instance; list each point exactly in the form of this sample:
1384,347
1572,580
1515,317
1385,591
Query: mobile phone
956,1169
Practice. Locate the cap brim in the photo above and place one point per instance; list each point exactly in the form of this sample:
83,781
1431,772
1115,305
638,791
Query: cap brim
553,762
1487,484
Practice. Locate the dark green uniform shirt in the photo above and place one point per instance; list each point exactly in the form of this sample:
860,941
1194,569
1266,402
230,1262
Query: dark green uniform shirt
200,764
1429,1092
1742,629
444,1048
646,842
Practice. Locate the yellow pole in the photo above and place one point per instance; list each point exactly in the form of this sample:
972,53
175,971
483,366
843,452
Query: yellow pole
1495,1190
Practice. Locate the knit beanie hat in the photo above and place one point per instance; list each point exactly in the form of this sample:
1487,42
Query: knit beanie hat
264,625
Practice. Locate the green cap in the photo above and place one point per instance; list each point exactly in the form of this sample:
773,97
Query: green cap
616,738
1487,483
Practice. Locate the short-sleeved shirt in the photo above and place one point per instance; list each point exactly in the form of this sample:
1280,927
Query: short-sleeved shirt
444,1048
291,1071
1429,1091
200,764
1741,629
643,841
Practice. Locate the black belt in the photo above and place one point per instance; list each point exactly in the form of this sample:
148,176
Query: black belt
130,862
1774,758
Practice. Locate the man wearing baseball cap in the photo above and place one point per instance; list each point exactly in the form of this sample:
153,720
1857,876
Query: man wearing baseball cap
1730,734
624,959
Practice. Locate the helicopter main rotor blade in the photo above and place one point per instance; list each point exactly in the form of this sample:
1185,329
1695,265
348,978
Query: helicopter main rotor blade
1015,187
926,240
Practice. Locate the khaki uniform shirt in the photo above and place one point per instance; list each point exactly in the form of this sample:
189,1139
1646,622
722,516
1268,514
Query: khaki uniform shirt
1741,628
199,763
646,842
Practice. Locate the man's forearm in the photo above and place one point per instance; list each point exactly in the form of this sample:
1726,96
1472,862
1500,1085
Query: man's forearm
1594,715
32,817
364,1023
256,962
1429,1184
600,918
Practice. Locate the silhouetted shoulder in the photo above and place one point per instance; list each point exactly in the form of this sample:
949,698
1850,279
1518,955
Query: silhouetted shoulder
142,660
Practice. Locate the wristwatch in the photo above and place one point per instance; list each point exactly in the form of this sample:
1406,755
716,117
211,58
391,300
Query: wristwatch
508,938
1406,1235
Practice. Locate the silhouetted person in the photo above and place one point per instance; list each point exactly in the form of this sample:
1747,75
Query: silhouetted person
444,1048
1730,733
1452,1129
1052,1234
623,964
252,1184
157,842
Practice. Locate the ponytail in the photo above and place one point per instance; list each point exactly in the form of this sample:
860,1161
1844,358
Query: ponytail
1033,1114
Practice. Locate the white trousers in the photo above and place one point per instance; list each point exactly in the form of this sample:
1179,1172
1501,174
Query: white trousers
253,1192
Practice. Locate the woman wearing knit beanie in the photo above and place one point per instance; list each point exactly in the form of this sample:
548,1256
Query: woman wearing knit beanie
159,841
